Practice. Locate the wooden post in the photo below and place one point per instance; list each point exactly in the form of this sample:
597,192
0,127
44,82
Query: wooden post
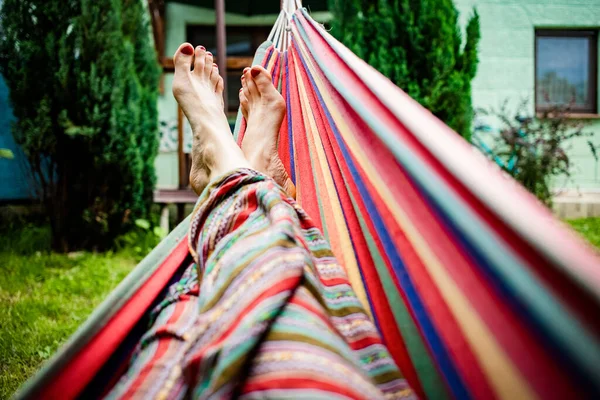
222,45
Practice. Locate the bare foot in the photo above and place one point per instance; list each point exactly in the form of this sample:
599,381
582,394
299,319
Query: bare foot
199,92
263,108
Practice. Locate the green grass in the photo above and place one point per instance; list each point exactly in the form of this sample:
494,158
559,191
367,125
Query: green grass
589,228
45,296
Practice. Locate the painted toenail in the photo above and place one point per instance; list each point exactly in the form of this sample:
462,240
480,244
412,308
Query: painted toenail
209,53
246,69
202,47
188,50
255,72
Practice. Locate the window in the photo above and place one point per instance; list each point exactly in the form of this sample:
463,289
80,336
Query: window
242,43
565,70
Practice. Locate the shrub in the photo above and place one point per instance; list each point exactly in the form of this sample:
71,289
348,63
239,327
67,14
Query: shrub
418,45
532,149
83,80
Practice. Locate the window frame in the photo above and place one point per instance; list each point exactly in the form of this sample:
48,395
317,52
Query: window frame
592,87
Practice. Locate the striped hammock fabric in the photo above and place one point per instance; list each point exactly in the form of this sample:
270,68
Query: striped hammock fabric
477,290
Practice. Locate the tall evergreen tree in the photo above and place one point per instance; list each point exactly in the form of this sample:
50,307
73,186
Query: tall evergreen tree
418,45
83,82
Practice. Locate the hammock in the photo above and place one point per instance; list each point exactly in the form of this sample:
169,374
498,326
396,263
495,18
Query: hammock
476,289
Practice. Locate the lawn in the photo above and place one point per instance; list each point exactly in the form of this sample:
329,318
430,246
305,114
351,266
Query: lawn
589,228
45,296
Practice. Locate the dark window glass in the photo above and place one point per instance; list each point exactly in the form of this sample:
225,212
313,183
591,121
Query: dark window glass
565,70
241,41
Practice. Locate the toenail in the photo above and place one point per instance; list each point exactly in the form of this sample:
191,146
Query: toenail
209,53
241,89
188,50
243,77
246,69
255,72
202,47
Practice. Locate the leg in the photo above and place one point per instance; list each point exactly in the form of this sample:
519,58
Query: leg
199,92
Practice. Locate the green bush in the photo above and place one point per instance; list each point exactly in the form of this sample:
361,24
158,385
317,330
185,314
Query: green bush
418,45
533,149
140,240
83,80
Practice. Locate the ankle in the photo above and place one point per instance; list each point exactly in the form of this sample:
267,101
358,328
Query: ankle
260,158
226,157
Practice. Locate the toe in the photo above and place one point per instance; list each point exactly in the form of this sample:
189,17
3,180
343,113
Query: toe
220,86
208,63
244,104
183,58
199,62
262,78
251,86
214,75
245,85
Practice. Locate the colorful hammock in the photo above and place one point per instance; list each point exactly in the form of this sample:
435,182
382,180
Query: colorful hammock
477,290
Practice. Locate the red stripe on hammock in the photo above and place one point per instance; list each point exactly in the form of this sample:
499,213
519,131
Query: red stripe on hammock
284,149
305,183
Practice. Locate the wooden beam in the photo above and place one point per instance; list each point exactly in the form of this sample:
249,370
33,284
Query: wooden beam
156,8
157,13
234,63
168,65
222,44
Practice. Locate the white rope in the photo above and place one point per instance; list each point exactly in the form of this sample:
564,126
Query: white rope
281,31
276,27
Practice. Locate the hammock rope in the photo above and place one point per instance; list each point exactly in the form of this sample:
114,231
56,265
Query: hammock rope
476,289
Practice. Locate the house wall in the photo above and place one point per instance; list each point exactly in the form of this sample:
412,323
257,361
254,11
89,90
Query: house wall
507,62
